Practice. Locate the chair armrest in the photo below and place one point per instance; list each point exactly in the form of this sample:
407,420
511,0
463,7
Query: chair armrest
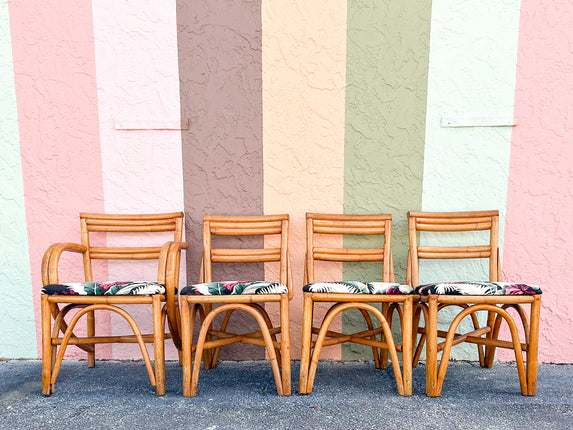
51,259
169,264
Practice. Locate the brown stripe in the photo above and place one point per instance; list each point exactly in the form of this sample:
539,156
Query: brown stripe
220,70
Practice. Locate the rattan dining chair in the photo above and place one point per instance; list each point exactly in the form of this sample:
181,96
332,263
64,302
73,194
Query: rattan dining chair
247,296
360,295
89,296
494,296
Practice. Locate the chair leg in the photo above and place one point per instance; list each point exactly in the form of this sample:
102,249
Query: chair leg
285,346
186,347
432,348
46,347
91,333
407,344
306,341
158,346
384,352
490,349
533,346
207,353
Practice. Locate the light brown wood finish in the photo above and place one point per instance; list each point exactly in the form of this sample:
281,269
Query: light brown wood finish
495,305
273,228
57,334
317,226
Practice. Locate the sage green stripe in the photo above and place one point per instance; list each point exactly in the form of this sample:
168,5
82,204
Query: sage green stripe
386,94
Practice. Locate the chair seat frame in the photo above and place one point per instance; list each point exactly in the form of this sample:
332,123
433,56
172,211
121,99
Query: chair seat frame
486,338
57,333
390,303
203,305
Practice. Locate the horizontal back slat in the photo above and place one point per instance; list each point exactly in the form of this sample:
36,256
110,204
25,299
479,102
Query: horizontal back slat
143,253
221,255
348,254
453,227
131,229
454,252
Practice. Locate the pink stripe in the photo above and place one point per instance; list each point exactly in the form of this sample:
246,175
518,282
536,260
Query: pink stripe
54,70
539,223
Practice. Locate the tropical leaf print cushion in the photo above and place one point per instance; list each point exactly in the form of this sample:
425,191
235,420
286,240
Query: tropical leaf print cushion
234,288
478,289
130,288
356,287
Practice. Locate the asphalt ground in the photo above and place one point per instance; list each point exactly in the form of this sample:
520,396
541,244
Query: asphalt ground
242,395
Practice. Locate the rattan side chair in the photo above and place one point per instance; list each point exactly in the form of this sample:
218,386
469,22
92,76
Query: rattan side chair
89,296
360,295
235,295
494,296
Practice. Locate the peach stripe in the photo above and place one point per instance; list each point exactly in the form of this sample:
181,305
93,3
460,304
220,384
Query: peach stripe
304,68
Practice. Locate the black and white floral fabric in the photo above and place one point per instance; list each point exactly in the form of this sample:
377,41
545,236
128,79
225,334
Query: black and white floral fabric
234,288
355,287
477,289
131,288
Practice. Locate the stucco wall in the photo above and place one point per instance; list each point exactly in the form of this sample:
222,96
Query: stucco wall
291,106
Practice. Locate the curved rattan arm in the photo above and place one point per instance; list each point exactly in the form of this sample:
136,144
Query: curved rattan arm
168,274
52,258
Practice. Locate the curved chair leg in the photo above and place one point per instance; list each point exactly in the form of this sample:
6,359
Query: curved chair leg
490,350
420,308
125,315
450,338
383,361
333,312
370,326
265,315
215,353
203,336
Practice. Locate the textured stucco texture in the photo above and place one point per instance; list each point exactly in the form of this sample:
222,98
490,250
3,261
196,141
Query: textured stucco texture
138,99
386,82
471,74
54,75
18,334
304,47
219,48
539,224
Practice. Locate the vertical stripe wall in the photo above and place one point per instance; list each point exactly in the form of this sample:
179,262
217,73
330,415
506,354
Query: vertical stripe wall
539,223
139,125
471,83
386,83
219,47
254,107
304,46
54,75
18,334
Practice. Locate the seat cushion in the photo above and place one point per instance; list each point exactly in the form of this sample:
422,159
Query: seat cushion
131,288
234,288
355,287
477,289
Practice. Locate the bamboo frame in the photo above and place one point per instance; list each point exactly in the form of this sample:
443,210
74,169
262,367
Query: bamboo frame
209,340
495,305
163,306
324,224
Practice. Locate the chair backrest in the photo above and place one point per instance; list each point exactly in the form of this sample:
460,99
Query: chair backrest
263,225
141,223
453,222
359,225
